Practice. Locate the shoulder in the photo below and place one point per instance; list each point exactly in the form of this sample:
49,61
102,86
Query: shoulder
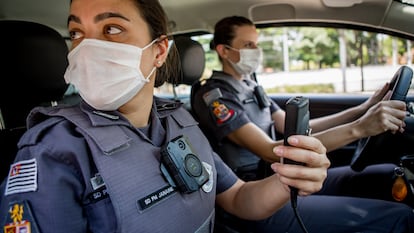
219,82
55,142
217,79
51,115
49,127
175,109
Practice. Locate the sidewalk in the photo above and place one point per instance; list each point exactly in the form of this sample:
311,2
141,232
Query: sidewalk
374,77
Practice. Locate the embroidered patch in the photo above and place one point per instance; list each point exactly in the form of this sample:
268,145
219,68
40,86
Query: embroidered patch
22,177
20,219
221,112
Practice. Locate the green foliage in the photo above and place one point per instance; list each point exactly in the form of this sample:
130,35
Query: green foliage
310,48
318,47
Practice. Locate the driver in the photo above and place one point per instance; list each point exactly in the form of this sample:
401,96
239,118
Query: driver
242,118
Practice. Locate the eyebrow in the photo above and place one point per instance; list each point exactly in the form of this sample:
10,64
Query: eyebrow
107,15
99,17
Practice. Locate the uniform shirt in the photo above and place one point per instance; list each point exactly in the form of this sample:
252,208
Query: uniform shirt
64,191
220,109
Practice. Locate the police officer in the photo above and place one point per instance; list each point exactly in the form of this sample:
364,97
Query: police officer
123,160
241,122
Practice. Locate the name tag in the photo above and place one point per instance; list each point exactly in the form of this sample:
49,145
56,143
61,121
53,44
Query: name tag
155,197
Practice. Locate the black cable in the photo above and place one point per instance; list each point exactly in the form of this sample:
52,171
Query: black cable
293,202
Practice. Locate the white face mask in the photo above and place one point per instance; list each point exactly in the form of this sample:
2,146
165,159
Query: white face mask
107,74
250,59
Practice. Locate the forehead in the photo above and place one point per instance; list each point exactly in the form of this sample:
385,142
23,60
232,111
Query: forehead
245,33
94,7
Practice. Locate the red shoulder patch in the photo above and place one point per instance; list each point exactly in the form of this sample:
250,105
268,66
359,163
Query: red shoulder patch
221,112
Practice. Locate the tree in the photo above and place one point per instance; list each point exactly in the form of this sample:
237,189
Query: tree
316,46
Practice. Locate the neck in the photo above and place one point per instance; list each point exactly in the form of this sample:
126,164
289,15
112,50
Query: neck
138,109
227,68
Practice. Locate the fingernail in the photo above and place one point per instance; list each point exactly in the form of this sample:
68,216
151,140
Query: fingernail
278,151
293,140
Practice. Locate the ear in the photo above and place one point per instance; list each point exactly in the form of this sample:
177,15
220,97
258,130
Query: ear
221,50
162,46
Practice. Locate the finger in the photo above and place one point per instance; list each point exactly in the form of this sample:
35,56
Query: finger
307,142
396,113
398,104
302,178
387,96
304,193
384,89
309,158
396,125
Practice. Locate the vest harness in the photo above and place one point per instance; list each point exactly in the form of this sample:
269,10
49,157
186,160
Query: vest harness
116,151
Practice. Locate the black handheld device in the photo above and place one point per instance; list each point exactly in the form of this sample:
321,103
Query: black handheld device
297,118
296,123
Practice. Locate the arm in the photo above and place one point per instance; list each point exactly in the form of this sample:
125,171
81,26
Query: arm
384,116
368,119
58,188
348,115
322,123
340,118
254,139
260,199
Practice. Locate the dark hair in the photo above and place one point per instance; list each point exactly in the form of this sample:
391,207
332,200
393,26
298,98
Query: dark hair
224,29
153,13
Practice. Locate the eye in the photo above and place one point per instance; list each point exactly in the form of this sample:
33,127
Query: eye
74,35
112,30
250,45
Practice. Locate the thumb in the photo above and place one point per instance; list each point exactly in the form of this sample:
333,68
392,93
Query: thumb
387,96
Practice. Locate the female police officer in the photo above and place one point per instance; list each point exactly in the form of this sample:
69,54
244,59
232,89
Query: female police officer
110,164
241,129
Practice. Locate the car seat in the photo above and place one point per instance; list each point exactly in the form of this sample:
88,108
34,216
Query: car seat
33,65
192,60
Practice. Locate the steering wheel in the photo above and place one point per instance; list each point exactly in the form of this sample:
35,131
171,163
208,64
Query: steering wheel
400,83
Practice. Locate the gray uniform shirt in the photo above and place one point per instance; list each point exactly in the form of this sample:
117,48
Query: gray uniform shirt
109,181
222,105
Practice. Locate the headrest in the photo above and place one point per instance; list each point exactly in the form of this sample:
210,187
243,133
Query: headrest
192,57
33,64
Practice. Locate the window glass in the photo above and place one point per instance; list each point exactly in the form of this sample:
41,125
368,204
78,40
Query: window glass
322,60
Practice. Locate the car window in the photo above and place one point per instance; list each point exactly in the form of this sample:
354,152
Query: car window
303,59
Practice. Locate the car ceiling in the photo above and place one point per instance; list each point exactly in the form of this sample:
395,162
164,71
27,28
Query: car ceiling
188,16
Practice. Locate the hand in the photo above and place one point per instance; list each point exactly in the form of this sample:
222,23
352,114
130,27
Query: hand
306,149
383,116
378,95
